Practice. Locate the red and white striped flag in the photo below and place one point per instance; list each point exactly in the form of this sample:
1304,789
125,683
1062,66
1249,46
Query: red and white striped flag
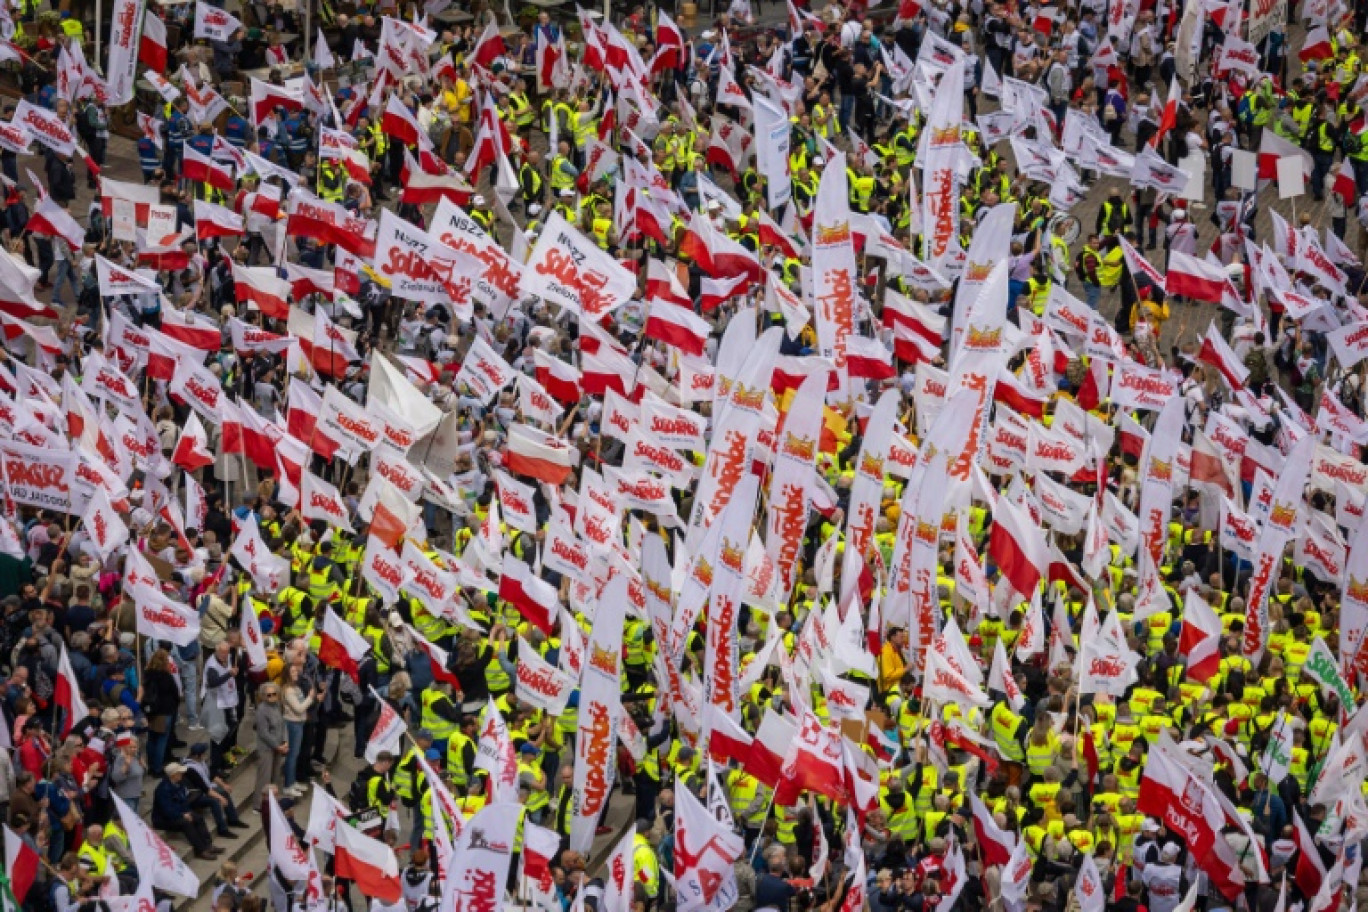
534,597
538,455
677,327
340,646
263,288
1200,280
1016,546
212,220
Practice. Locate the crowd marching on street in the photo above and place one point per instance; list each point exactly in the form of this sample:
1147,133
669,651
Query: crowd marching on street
779,457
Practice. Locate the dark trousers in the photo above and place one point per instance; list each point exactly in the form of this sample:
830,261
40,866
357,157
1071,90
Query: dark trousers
223,814
1324,162
195,831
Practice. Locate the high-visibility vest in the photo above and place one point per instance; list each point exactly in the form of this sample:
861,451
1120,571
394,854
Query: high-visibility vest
404,775
523,115
646,864
560,178
298,621
1040,757
442,729
743,789
115,832
902,821
375,635
1109,269
583,126
495,676
1005,726
536,800
95,856
321,586
456,768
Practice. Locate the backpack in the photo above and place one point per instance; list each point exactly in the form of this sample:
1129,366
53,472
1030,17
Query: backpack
83,122
1353,143
1079,269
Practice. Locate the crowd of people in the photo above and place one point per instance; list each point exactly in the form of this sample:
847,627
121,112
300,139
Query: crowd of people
899,458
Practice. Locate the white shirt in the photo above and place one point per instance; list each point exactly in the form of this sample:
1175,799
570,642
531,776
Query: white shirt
1162,880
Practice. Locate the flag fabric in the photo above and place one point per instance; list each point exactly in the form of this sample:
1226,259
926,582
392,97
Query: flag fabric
1016,547
367,862
340,646
537,454
21,865
66,693
534,598
1199,641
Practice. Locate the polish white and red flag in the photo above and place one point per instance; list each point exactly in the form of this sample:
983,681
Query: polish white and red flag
1016,546
213,220
1200,638
662,284
367,862
192,448
1309,872
1216,352
21,865
868,359
814,762
535,598
1273,147
1183,803
305,281
263,287
912,346
422,185
192,330
66,693
607,369
398,121
995,843
715,253
713,293
677,327
1200,280
727,740
900,310
340,646
52,220
769,748
198,167
538,455
558,378
152,48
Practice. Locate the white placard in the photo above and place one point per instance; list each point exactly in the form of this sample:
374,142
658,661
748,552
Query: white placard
1291,176
1244,169
161,224
125,217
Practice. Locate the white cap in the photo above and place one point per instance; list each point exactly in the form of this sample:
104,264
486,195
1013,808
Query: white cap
479,200
708,35
1169,852
1180,214
534,209
567,193
818,160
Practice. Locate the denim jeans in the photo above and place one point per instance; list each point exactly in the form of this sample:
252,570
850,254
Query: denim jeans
156,749
189,674
66,275
295,732
1092,294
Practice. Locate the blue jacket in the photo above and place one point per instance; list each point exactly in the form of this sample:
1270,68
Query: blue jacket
170,804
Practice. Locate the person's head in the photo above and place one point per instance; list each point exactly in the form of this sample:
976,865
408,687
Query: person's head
776,859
